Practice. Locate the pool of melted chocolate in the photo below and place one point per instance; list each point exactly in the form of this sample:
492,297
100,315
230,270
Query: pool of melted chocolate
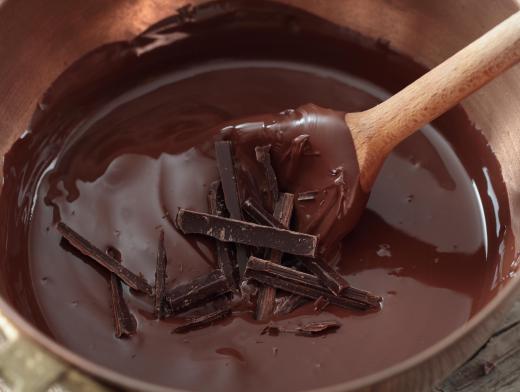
121,141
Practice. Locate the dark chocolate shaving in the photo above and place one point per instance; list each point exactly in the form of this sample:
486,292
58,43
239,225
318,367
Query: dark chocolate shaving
306,285
203,320
260,215
311,329
160,277
266,297
124,321
231,230
199,291
84,246
228,177
217,207
317,328
327,275
263,155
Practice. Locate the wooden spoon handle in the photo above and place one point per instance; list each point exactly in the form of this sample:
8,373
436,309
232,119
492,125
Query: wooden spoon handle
378,130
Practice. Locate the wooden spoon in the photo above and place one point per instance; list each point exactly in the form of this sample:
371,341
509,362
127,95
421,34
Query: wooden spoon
378,130
375,132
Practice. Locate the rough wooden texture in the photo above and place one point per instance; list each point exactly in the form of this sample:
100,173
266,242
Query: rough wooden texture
495,367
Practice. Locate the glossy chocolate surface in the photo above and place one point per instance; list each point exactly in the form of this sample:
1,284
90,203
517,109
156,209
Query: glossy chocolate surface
125,137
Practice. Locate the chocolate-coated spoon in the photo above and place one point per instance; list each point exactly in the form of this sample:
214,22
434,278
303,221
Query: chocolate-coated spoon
340,154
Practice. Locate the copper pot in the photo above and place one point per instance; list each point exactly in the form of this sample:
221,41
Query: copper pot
38,40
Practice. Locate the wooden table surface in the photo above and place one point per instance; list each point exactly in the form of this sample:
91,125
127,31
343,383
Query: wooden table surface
495,367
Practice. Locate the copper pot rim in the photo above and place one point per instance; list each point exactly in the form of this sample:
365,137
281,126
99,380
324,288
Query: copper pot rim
118,379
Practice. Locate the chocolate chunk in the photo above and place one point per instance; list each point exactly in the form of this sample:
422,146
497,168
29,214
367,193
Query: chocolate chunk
160,277
231,230
263,155
203,320
284,209
320,304
217,207
311,329
326,274
228,178
226,168
265,303
260,215
306,285
201,290
132,280
124,321
362,296
289,303
351,292
266,297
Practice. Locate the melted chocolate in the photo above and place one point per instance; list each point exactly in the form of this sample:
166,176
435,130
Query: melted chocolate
125,137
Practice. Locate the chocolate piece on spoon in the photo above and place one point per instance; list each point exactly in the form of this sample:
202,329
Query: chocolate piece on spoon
338,196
